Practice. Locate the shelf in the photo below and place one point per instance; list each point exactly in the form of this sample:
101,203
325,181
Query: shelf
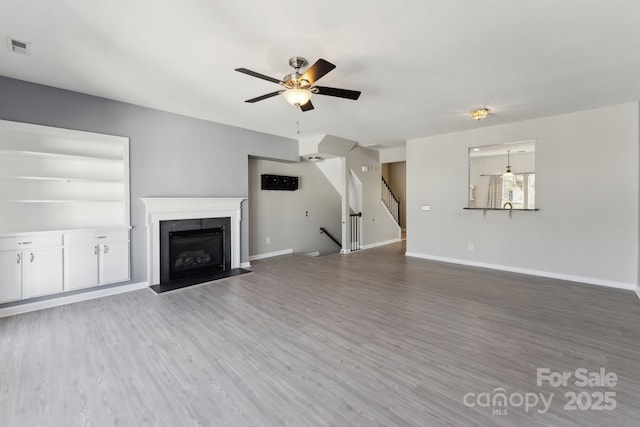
62,201
35,231
61,179
52,178
499,209
62,156
484,210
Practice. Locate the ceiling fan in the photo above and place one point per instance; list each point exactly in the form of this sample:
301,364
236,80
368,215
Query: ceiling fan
299,88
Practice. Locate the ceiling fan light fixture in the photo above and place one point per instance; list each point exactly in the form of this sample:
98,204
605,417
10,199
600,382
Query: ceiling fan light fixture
480,114
297,96
299,87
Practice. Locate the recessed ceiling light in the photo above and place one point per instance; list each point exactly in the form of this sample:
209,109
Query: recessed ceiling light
480,114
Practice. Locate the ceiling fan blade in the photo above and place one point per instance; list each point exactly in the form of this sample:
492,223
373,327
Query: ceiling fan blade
306,107
260,98
340,93
317,70
258,75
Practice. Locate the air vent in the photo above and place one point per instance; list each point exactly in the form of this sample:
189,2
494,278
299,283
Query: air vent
18,46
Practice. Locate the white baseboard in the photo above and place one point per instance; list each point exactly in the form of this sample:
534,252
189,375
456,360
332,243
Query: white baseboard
560,276
70,299
638,291
270,254
245,265
375,245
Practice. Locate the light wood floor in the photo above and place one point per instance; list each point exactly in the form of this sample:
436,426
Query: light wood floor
372,338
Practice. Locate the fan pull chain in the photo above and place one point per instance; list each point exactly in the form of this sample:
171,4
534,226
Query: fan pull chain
298,126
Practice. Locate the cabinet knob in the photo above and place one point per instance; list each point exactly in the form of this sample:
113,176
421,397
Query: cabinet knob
32,257
19,258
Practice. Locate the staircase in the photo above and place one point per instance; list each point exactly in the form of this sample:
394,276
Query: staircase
390,201
342,169
354,238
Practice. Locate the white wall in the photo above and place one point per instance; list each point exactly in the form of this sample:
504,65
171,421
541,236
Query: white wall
281,215
586,190
332,170
377,223
391,155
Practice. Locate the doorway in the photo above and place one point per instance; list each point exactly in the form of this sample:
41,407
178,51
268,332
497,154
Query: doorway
395,175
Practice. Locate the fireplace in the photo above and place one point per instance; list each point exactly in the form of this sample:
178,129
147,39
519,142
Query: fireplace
196,252
185,214
194,248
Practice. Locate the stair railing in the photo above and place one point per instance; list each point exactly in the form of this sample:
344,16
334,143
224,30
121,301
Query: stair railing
336,241
355,231
390,201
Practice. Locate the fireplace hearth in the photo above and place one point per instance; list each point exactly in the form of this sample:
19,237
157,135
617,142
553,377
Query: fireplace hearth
194,251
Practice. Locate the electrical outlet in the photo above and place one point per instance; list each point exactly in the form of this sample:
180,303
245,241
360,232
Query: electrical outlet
268,240
470,246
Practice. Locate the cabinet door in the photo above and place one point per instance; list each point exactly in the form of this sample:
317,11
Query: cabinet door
41,272
10,276
83,265
114,262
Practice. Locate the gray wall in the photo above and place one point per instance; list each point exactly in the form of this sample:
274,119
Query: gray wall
280,215
170,155
586,189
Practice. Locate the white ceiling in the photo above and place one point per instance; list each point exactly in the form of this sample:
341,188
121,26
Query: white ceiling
421,65
513,147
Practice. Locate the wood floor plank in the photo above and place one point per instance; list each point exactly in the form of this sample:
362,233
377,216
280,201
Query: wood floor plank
372,338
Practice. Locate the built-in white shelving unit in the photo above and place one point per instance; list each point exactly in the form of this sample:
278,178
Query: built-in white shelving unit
70,186
53,179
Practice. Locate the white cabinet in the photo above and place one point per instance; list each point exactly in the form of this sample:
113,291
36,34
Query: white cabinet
41,272
30,266
97,258
82,260
114,262
10,276
34,265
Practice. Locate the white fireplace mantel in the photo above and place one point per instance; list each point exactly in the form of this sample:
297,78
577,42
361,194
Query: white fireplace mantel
171,208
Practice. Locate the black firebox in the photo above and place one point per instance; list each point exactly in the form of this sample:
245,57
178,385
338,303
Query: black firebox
192,248
196,252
